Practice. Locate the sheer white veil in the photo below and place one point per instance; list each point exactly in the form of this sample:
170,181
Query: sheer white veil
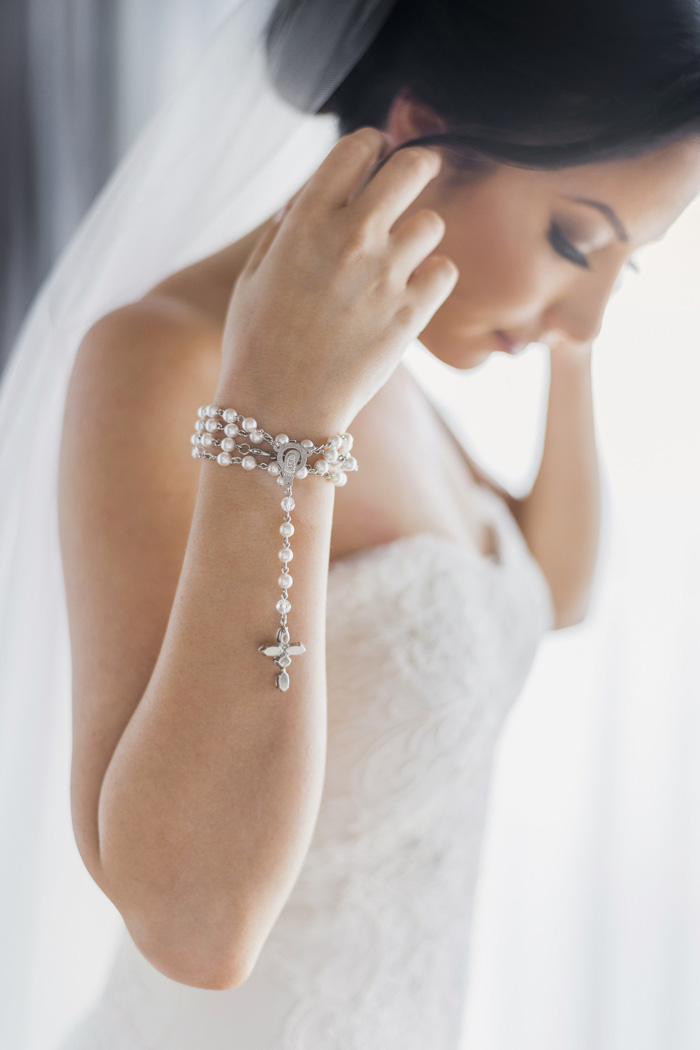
223,153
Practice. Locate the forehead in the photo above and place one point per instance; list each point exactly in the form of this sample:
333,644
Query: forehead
648,193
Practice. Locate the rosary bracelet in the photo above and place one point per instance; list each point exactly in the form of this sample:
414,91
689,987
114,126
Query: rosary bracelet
286,461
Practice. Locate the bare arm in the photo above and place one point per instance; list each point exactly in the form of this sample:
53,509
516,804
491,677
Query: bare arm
560,517
211,794
195,782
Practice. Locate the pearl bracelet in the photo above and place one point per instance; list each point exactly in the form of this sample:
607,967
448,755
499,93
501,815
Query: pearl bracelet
286,461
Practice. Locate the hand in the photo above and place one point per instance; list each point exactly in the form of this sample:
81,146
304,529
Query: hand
333,292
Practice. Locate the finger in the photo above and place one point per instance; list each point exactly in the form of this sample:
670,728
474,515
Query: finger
415,238
344,169
430,285
286,208
397,184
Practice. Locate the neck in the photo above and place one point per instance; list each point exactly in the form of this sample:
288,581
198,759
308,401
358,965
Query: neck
207,284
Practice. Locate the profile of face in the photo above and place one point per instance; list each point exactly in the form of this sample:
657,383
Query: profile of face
540,252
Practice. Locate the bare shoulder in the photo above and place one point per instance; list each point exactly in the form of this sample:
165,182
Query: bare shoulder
142,370
139,375
158,336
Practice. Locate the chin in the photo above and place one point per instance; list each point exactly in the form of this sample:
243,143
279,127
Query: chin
460,353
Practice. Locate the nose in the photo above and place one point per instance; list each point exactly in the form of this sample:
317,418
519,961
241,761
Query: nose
578,312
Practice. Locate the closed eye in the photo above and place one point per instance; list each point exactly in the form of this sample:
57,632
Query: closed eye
566,249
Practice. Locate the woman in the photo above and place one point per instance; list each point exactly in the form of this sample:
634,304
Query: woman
297,869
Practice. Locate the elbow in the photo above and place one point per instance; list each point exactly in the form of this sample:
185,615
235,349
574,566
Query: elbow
192,961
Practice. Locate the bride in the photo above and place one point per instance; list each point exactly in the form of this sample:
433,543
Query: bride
295,866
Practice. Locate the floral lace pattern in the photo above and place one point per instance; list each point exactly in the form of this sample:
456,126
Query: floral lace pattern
428,645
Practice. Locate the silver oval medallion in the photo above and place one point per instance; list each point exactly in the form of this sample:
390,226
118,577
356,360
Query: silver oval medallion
291,457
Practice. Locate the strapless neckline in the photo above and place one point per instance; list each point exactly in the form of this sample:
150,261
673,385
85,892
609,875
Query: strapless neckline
513,558
495,507
401,542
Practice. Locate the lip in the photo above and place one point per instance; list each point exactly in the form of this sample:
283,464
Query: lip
511,346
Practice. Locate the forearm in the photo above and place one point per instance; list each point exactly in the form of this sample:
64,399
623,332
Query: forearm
560,518
210,800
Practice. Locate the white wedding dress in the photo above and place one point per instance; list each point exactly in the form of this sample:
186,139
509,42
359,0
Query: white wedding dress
428,645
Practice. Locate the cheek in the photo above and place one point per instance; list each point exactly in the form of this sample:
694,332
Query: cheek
495,237
497,272
501,285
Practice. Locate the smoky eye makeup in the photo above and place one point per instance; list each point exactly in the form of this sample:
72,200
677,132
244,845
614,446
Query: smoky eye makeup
564,247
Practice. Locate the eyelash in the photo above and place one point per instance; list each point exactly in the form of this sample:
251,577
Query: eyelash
567,250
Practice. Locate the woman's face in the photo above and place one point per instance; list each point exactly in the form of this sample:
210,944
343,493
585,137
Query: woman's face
535,260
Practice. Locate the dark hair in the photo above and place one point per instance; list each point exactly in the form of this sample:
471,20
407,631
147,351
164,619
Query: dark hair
534,83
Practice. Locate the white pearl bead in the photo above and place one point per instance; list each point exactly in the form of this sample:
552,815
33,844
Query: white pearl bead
256,436
285,580
195,453
340,478
212,410
224,459
199,425
288,503
274,469
281,481
285,554
330,455
321,465
230,415
286,528
283,605
207,440
350,463
249,423
302,472
281,439
211,425
336,441
194,438
202,411
348,441
230,430
307,443
248,462
228,444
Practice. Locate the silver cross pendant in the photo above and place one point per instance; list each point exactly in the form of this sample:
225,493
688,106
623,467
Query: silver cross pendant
282,652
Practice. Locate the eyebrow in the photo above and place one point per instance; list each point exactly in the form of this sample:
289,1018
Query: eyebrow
605,209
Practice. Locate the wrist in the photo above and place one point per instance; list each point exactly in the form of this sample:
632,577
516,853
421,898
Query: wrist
566,356
284,463
297,418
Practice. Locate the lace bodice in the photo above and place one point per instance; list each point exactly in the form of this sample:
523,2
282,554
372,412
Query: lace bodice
428,645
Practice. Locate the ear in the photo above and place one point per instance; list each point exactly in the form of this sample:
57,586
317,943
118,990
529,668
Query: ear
408,118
